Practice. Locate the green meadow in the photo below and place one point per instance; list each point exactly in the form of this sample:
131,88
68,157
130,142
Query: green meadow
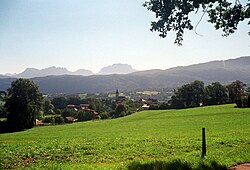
143,137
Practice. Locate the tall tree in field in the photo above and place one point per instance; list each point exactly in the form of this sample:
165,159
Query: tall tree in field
215,93
236,91
48,107
198,92
24,101
185,94
189,95
174,15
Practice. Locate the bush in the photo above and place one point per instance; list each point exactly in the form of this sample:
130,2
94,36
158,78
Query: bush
69,113
244,102
40,115
154,107
98,117
49,119
85,115
163,106
120,111
104,115
57,119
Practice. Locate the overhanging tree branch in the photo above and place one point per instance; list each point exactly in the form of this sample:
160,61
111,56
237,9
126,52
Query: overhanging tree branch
173,15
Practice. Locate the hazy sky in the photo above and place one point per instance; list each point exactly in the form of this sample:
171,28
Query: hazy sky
91,34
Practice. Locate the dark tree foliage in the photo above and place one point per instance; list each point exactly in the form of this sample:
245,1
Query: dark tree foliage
59,102
174,15
236,92
2,101
189,95
69,113
215,93
85,115
74,101
248,100
24,101
48,107
57,119
120,110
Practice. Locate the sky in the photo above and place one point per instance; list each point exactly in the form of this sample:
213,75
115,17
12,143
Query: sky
91,34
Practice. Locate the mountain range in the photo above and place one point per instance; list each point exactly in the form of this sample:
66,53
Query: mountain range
56,71
224,71
117,69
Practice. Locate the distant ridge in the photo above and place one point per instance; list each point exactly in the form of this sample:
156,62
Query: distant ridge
221,71
58,71
117,69
4,76
55,71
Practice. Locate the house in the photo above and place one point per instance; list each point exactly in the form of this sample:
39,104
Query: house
71,106
39,123
84,106
145,107
70,119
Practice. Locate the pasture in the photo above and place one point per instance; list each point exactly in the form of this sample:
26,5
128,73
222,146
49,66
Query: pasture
143,137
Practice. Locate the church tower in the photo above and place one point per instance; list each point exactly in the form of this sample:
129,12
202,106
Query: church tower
117,94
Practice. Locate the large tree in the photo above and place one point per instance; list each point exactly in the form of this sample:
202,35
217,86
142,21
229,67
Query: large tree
236,92
215,93
189,95
174,15
24,101
59,102
48,107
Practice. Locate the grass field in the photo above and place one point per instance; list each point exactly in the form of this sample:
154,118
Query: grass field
148,92
142,137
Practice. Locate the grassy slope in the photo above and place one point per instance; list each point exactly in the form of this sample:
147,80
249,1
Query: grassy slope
143,136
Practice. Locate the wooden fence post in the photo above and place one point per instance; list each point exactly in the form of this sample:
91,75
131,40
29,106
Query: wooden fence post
204,149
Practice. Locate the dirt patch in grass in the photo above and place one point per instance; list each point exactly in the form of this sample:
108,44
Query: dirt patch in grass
28,161
245,166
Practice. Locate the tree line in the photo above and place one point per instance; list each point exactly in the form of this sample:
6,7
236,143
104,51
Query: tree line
197,94
24,103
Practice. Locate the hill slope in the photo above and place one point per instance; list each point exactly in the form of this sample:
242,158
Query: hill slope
144,136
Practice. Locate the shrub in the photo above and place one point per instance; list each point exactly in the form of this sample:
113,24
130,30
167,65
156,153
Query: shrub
40,115
98,117
104,115
163,106
57,119
243,102
69,113
85,115
120,110
154,107
49,119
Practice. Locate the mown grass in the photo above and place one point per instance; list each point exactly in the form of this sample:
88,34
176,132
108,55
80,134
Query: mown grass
139,139
3,119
